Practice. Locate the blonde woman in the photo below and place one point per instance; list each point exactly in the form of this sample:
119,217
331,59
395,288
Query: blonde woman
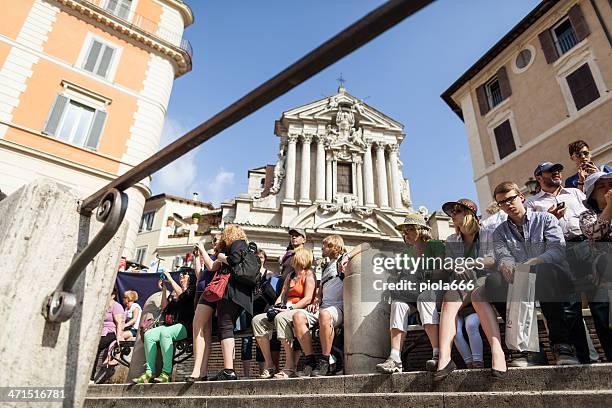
237,297
132,314
468,242
297,293
418,238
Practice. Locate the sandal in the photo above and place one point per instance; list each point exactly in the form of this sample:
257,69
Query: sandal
286,374
163,378
143,379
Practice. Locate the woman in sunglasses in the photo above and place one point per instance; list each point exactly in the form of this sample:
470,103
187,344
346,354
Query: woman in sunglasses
472,252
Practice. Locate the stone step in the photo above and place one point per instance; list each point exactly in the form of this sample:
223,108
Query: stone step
532,399
549,378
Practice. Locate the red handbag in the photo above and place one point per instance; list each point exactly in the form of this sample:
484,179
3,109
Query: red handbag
216,288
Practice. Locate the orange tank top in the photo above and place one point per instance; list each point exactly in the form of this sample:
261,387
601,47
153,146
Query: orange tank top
296,292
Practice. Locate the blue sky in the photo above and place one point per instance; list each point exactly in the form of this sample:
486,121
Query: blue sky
240,44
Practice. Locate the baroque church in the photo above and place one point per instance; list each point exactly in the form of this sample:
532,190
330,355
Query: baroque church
338,172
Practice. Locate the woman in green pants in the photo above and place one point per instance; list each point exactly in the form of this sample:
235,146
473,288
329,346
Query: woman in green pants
177,317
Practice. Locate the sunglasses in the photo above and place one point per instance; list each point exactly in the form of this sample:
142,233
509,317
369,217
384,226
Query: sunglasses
507,201
457,210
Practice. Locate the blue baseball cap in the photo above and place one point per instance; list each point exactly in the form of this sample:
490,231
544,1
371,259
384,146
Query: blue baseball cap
547,166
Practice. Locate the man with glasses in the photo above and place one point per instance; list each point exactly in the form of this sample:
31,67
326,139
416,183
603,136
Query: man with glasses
535,239
566,204
581,155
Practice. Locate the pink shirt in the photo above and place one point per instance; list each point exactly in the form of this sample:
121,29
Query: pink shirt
109,323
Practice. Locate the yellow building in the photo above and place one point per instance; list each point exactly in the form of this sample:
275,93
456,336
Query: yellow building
84,88
544,85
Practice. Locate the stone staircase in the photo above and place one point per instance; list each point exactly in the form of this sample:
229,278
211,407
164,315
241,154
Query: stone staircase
548,386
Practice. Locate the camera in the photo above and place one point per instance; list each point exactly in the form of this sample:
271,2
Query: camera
273,311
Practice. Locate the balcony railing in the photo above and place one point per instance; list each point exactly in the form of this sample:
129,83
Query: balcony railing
566,41
132,19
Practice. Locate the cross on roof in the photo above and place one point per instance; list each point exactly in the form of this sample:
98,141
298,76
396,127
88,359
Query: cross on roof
341,81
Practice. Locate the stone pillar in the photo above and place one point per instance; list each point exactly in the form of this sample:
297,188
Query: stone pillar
359,162
320,176
396,192
369,175
366,318
354,176
334,175
45,233
381,167
305,170
290,170
328,178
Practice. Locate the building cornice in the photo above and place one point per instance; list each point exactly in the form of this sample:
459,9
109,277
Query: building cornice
179,56
184,9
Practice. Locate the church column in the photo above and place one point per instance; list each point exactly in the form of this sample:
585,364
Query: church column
395,177
369,175
320,176
334,174
328,178
305,171
359,162
290,172
381,167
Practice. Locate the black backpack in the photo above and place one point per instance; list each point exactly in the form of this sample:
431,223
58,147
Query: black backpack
246,272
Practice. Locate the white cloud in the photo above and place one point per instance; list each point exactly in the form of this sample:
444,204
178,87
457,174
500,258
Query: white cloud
217,188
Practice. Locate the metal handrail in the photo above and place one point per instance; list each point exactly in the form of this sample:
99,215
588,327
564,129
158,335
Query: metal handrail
59,305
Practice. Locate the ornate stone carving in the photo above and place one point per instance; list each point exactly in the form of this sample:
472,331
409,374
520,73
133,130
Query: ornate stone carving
279,171
306,138
393,148
345,121
292,138
347,204
356,137
405,193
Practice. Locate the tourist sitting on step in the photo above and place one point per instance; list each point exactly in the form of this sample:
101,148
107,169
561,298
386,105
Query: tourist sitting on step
205,267
531,240
596,225
132,312
326,308
472,251
176,320
417,236
112,330
297,293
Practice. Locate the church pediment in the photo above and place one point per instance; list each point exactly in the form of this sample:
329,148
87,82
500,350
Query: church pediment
327,109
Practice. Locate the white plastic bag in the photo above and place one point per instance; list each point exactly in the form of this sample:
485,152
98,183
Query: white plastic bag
521,316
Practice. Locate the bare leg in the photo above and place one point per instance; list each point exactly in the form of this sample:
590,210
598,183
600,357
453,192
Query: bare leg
432,334
289,359
228,348
447,331
397,339
488,321
326,332
264,345
202,336
302,333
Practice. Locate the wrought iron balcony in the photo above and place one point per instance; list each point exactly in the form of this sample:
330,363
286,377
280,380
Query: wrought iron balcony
123,11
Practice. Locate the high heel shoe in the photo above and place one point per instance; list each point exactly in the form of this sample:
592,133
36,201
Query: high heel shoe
443,373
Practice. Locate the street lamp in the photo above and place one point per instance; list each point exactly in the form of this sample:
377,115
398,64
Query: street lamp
533,187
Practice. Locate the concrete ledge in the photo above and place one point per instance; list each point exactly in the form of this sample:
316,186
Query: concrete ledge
550,378
559,399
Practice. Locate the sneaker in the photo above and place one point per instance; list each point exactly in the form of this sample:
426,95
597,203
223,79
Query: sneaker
519,360
323,368
163,378
268,373
225,375
565,354
308,371
389,367
476,365
432,364
285,374
143,379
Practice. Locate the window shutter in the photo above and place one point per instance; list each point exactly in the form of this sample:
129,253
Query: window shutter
481,95
504,83
578,22
124,9
92,56
96,129
504,139
548,46
55,115
107,56
582,86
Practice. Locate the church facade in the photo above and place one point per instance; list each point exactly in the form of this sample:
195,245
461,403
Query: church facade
338,172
